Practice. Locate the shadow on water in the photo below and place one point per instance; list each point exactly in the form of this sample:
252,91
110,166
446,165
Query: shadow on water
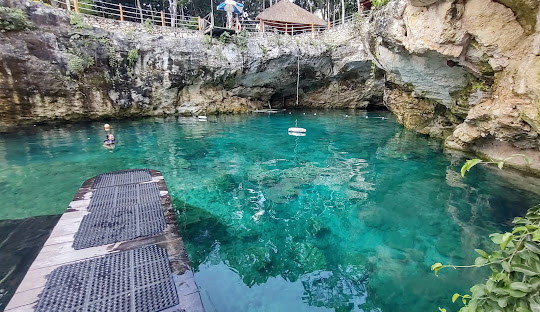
21,241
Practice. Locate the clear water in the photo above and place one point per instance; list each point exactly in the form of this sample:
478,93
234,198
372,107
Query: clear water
347,218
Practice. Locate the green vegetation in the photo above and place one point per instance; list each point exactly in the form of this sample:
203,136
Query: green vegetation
241,39
207,41
133,56
148,25
264,51
77,21
13,20
379,3
479,86
78,62
514,283
193,23
225,38
87,7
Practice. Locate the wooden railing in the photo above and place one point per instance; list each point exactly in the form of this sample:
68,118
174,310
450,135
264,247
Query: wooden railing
151,17
125,13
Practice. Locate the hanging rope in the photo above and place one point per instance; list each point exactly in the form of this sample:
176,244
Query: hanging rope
297,79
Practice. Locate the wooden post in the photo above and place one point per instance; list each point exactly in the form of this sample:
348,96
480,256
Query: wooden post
286,28
312,28
76,6
328,25
121,12
68,6
262,26
162,19
199,19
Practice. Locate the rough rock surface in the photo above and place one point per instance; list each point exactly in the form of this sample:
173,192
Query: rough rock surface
98,68
464,68
464,71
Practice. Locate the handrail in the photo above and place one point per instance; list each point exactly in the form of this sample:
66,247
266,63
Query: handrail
161,18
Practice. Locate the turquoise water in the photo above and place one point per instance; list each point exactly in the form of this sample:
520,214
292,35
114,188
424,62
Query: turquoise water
347,218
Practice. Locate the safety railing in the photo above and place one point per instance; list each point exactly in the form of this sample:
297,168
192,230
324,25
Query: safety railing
149,16
125,13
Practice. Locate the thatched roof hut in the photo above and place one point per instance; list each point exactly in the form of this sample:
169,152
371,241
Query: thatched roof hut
286,16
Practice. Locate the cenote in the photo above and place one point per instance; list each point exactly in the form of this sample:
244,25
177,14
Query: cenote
348,218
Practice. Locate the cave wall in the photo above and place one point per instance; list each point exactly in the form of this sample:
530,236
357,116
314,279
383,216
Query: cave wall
464,71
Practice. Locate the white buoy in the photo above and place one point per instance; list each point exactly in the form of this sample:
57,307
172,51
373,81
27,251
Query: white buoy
202,117
295,129
298,134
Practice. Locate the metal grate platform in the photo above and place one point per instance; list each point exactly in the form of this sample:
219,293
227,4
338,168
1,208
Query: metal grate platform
134,280
121,213
122,177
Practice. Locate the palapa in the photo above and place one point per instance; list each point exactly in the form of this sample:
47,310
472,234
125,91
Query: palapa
287,12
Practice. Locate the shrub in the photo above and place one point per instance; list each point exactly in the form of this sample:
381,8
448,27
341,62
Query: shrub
514,283
242,39
133,56
77,64
87,7
148,25
78,22
225,38
379,3
13,19
207,41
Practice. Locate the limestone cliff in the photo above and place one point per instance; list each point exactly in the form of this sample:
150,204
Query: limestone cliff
465,71
74,67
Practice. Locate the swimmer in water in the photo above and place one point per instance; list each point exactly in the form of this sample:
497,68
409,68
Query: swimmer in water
109,141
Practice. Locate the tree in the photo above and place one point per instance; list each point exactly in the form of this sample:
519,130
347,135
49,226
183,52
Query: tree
173,5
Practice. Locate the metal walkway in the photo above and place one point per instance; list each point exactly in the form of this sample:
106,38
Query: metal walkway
117,248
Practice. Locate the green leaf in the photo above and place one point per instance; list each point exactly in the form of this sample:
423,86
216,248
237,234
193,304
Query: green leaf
469,164
454,297
491,285
534,282
502,302
516,293
520,229
536,236
506,266
496,238
506,238
442,310
480,261
520,286
500,164
532,247
436,267
535,307
522,309
527,270
499,276
482,253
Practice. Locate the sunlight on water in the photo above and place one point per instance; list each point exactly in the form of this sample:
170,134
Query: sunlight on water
348,218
